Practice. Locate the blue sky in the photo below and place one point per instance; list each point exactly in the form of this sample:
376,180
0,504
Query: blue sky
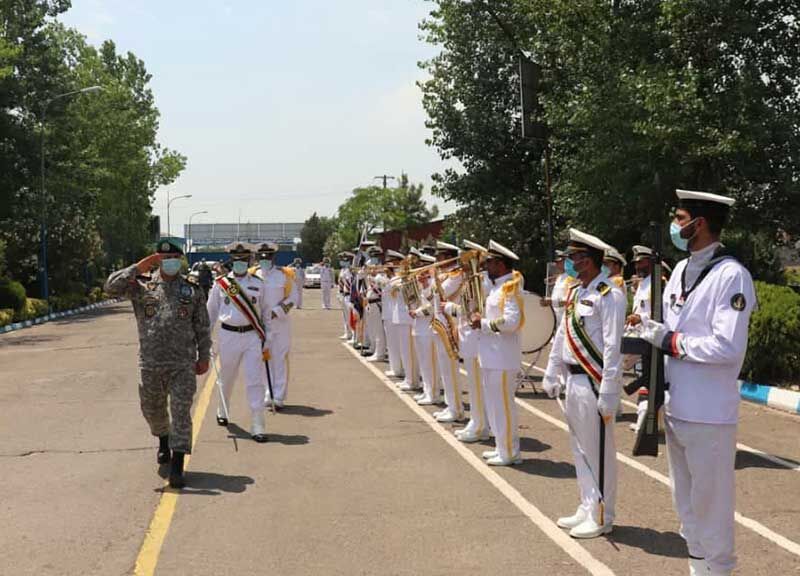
282,107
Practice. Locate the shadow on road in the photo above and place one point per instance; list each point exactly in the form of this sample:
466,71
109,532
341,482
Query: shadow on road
27,340
212,484
546,468
239,433
650,541
746,459
527,444
307,411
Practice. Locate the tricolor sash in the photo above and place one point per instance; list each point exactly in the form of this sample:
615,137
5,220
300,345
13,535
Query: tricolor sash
233,291
580,344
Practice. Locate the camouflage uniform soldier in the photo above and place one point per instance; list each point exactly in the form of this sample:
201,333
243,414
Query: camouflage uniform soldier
174,346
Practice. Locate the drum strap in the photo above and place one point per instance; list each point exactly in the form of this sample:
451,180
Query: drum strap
580,344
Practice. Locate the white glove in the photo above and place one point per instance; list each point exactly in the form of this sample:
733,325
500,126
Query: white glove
607,405
552,386
653,332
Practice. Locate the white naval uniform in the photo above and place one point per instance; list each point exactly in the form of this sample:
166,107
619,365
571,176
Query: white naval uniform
401,324
559,295
468,344
641,298
500,357
240,349
603,319
388,303
374,322
326,282
300,282
447,366
281,295
345,278
702,403
424,347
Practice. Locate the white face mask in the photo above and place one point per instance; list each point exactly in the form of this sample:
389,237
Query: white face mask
265,264
240,267
171,266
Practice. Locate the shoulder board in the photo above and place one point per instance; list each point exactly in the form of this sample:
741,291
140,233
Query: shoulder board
603,288
252,270
619,281
512,285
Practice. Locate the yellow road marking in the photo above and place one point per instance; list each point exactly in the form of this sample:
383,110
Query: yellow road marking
147,559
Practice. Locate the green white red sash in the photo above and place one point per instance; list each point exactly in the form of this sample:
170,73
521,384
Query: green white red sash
233,291
579,342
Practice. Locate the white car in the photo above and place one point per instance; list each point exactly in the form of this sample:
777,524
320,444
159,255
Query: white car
312,277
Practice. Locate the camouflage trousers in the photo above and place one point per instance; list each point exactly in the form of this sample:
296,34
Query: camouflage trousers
176,385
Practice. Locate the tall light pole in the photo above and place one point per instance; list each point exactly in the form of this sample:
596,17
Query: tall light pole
169,230
45,289
190,225
384,177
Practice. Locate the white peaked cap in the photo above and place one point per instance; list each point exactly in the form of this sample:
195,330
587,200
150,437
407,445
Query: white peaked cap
238,247
427,258
578,237
613,254
395,254
469,244
704,197
367,243
445,247
267,247
497,249
639,252
415,252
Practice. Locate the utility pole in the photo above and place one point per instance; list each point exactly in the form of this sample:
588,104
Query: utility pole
385,177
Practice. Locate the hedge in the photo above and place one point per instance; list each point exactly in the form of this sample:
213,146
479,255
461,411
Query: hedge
773,352
12,295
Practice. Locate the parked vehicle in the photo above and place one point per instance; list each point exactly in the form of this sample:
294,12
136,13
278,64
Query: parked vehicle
312,277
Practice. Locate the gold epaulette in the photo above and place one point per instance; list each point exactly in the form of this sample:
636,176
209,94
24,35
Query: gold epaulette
512,286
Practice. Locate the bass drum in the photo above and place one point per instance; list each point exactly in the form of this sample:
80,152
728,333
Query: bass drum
540,324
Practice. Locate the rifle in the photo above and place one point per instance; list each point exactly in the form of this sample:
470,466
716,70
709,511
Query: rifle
653,359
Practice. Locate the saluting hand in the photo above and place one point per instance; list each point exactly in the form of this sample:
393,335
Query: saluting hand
148,263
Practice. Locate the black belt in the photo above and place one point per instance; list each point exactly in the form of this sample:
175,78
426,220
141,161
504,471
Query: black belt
576,369
239,329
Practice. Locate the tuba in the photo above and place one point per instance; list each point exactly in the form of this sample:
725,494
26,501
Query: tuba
472,299
446,329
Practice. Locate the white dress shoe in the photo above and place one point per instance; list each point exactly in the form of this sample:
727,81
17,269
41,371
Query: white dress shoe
487,454
447,416
406,386
498,461
419,396
373,358
390,374
471,437
425,401
571,522
590,529
698,567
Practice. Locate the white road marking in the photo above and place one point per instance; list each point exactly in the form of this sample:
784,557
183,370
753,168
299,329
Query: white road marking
545,524
739,446
753,525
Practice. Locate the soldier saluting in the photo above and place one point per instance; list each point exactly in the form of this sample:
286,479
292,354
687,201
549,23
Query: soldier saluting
174,347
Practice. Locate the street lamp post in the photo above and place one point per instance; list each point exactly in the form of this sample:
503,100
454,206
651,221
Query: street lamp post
45,289
169,230
190,226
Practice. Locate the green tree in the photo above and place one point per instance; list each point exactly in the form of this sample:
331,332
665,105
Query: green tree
640,98
314,235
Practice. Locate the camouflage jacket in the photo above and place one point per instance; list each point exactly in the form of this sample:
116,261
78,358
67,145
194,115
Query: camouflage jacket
171,316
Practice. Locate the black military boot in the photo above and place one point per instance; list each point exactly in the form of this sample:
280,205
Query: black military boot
176,471
163,450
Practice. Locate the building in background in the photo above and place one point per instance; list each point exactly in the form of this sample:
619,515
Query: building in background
413,236
209,240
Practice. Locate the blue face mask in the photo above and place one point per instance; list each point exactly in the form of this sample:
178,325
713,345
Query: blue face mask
265,264
680,243
240,267
171,266
569,268
604,270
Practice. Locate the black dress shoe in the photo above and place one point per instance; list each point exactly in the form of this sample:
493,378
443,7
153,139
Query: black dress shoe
163,455
260,438
222,421
176,471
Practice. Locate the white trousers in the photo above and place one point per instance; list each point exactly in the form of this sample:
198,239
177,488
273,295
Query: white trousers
345,301
280,344
242,350
499,388
478,421
326,296
702,461
375,329
426,358
584,422
393,347
299,286
406,345
448,371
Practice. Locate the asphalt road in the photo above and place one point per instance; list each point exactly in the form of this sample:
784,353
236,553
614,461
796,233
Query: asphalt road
355,479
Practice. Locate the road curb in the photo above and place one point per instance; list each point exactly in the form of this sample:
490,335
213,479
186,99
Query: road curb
779,398
57,316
